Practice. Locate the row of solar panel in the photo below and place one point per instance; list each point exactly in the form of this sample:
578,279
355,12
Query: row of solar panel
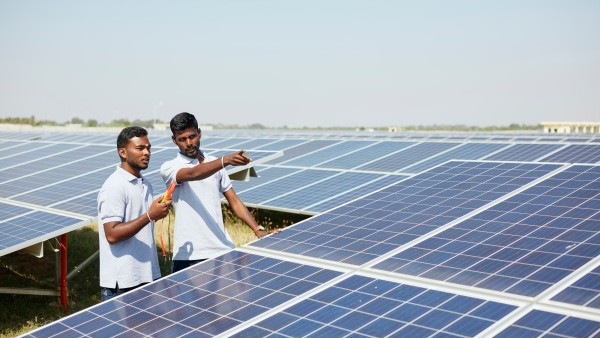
249,295
313,175
66,171
467,248
76,135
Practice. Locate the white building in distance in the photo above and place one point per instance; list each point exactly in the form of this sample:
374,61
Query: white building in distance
570,127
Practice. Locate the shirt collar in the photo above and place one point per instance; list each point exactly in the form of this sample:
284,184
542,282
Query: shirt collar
186,159
127,175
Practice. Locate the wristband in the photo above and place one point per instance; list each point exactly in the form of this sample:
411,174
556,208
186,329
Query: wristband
260,228
147,214
222,164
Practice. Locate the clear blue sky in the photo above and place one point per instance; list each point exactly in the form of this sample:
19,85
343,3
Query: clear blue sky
302,63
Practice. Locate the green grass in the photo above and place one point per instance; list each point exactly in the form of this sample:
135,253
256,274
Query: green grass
20,314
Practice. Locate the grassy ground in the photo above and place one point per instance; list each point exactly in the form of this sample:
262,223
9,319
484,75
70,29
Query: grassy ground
22,313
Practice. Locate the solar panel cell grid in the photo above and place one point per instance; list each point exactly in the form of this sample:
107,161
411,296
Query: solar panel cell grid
328,153
349,195
302,149
365,307
524,152
509,251
206,300
403,212
539,323
311,194
585,291
406,157
467,151
284,185
367,154
576,153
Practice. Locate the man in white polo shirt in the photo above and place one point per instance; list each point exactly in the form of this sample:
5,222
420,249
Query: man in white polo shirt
126,215
199,232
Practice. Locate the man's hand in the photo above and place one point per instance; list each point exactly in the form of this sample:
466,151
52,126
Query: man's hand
263,233
158,209
237,158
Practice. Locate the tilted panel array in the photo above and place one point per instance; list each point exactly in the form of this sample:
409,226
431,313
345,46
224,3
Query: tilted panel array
533,210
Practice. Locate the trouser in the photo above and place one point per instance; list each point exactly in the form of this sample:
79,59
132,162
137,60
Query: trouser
108,293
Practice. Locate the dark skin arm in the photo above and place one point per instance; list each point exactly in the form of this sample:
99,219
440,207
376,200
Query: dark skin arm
116,232
244,214
206,169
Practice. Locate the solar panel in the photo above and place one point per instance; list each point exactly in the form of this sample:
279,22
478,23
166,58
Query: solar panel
585,291
265,175
576,153
22,227
352,194
302,149
524,152
310,194
328,153
361,306
208,299
368,154
538,323
372,226
288,183
406,157
523,245
467,151
357,241
63,171
281,144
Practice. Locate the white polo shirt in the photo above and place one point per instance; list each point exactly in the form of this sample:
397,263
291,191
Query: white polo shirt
199,230
122,198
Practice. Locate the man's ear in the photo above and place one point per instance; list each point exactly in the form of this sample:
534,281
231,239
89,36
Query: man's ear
122,154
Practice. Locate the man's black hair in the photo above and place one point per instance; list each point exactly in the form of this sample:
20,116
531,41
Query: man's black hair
128,133
183,121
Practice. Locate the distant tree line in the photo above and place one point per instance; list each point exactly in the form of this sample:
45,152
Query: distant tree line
121,123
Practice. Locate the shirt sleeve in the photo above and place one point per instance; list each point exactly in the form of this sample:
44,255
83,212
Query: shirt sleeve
168,172
111,205
225,182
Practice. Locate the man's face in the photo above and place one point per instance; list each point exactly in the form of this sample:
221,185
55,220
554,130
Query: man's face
136,154
188,141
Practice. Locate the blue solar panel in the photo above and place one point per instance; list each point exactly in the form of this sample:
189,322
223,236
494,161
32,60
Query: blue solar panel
368,154
21,227
208,299
538,323
60,191
286,184
363,230
361,306
82,165
265,175
280,144
256,143
302,149
467,151
228,143
576,153
42,150
585,291
524,152
406,157
328,153
311,194
347,196
521,246
86,204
